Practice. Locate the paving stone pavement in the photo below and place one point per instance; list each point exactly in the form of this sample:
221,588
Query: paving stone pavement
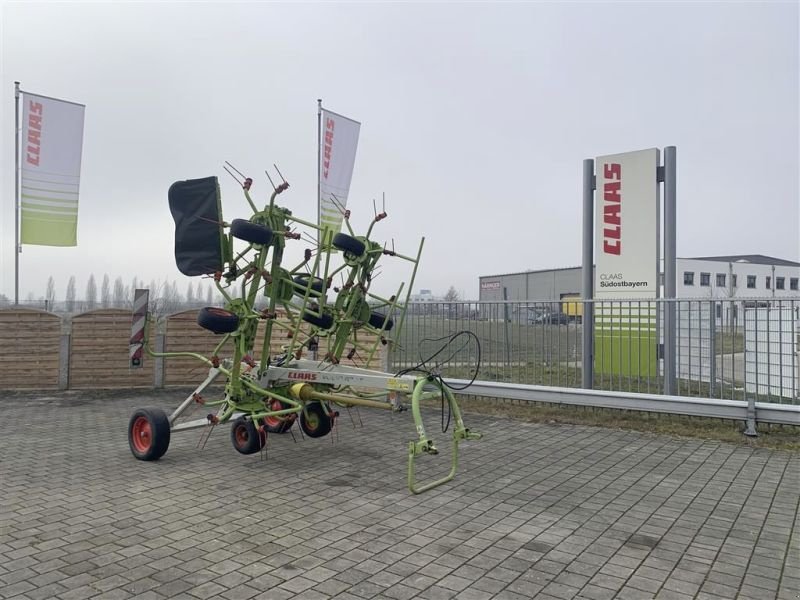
536,511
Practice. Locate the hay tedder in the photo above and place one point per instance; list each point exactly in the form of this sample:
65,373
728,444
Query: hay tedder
319,313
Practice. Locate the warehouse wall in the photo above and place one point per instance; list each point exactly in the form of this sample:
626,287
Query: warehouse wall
532,286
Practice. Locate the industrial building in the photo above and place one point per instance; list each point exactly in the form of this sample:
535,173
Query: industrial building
739,277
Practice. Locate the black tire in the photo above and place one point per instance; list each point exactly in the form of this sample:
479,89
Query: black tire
217,320
324,321
246,438
348,244
377,320
251,232
314,421
278,424
304,281
148,433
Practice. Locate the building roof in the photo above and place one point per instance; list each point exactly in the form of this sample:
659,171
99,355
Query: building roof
531,271
758,259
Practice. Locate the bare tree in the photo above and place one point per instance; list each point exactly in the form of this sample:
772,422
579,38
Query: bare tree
450,298
91,293
175,292
190,294
452,295
50,295
105,292
209,295
130,292
71,294
170,298
119,293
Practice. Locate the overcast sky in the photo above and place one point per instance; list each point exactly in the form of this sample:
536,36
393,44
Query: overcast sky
475,121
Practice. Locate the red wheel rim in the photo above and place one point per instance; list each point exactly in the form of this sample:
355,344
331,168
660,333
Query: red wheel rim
141,435
274,421
221,312
242,436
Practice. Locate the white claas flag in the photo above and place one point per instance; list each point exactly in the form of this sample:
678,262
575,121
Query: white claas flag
338,144
50,161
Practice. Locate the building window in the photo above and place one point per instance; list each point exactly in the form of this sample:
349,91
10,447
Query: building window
780,283
719,310
769,282
793,283
705,279
688,278
733,280
720,279
751,282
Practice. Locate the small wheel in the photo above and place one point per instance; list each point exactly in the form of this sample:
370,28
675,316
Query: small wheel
279,424
305,281
348,244
314,421
251,232
148,433
324,321
217,320
245,437
377,320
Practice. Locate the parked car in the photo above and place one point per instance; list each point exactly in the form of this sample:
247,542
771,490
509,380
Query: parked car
551,319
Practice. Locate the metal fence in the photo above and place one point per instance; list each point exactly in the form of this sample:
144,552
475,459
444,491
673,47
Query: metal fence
734,359
725,349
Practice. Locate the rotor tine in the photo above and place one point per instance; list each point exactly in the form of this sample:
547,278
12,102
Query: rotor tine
374,208
232,175
204,436
242,175
264,455
337,204
340,206
384,201
270,180
279,172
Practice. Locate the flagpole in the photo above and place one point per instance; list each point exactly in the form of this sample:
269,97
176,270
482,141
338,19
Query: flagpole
319,167
17,247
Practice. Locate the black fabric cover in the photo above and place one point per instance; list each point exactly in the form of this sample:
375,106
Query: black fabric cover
195,207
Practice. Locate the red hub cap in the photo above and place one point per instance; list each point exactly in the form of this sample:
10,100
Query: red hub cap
142,434
242,437
274,421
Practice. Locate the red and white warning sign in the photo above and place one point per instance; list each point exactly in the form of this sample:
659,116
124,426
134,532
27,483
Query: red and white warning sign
140,300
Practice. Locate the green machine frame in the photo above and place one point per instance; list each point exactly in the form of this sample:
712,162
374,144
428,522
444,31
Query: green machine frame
295,384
